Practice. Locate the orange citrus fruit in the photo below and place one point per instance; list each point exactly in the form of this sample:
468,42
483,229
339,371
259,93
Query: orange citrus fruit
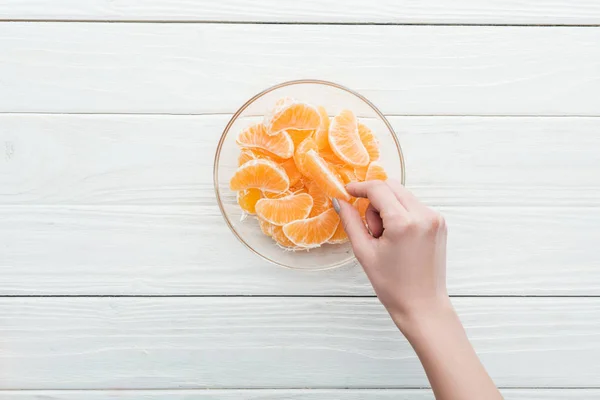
292,164
292,171
256,136
321,202
375,172
361,204
300,154
324,176
339,236
345,140
322,132
369,140
247,199
260,174
314,231
290,114
285,209
266,227
346,173
280,238
299,135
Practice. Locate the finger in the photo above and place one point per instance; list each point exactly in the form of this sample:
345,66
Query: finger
374,221
381,197
353,225
404,196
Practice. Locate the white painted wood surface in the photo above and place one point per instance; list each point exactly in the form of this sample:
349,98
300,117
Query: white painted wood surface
168,160
288,394
189,250
125,205
567,12
214,68
500,128
137,343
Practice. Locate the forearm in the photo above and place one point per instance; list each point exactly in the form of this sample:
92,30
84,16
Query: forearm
449,360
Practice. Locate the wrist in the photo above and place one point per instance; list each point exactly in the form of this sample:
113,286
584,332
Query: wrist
425,317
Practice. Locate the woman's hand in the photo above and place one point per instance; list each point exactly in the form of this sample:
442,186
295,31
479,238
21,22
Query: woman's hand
404,255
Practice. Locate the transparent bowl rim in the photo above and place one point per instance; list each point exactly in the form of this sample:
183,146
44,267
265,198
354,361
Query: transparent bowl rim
241,110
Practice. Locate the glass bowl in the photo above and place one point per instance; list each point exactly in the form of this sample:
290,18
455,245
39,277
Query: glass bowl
334,98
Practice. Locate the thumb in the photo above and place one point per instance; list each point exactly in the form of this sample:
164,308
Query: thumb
353,225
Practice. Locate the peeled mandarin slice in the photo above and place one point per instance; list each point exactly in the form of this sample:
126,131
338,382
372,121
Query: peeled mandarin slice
361,204
300,154
281,239
321,134
252,154
247,199
345,141
324,176
256,136
321,202
292,115
260,174
329,156
312,232
347,173
292,171
369,140
285,209
375,172
298,135
339,236
361,173
265,227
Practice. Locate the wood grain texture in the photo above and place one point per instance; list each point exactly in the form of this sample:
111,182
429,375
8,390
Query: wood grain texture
189,250
168,160
143,343
288,394
214,68
125,205
352,11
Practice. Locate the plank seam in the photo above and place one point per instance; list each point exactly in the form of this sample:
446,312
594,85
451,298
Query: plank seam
247,22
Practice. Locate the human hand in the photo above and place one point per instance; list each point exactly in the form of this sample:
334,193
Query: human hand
404,254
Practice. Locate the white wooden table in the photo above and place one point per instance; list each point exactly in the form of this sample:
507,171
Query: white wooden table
119,279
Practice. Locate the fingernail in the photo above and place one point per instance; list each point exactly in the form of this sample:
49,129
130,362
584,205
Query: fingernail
336,205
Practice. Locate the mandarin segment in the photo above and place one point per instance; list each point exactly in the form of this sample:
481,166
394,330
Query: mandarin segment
300,154
312,232
298,135
282,240
260,174
321,202
293,164
292,115
285,209
375,172
339,236
369,140
322,133
248,198
321,173
256,136
292,172
361,204
345,140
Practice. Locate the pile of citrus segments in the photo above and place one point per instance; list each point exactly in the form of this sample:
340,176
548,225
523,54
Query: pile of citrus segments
294,162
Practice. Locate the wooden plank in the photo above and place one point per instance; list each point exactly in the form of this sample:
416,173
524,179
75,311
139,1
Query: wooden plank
214,68
327,11
288,394
149,343
189,250
168,160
